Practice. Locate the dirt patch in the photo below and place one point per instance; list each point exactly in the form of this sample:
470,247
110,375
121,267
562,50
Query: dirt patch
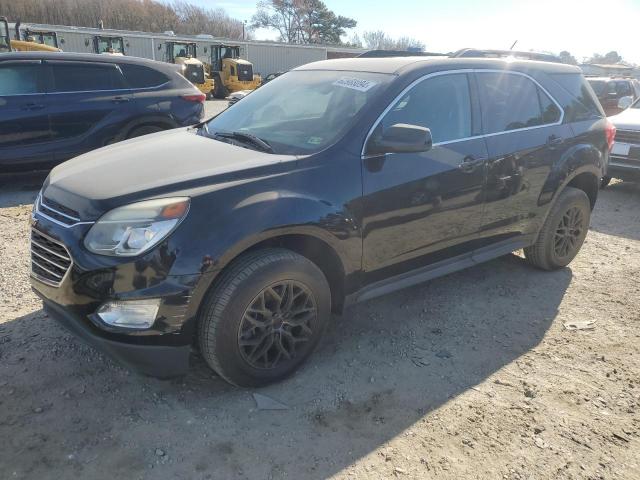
473,375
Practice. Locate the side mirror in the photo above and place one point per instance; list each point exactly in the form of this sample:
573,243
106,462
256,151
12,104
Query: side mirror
625,102
400,138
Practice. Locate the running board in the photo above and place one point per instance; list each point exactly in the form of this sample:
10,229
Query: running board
438,269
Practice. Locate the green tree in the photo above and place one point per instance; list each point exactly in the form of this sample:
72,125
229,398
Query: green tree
302,21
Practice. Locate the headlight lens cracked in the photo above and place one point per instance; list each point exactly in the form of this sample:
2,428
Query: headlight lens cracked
135,228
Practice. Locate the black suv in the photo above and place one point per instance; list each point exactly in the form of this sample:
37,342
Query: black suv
335,183
55,106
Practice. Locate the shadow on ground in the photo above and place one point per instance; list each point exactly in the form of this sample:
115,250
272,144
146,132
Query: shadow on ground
67,411
623,198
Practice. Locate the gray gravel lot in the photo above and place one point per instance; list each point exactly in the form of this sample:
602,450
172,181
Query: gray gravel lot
469,376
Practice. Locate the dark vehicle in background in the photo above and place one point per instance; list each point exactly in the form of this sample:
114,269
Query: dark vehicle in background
56,106
336,183
625,155
611,90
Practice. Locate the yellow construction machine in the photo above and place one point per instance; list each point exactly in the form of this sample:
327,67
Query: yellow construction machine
30,44
230,72
184,53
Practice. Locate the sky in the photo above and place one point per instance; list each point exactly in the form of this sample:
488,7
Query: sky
582,27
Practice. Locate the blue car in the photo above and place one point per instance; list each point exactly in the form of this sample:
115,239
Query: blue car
56,106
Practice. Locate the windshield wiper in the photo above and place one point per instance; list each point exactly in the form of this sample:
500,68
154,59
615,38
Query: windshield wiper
246,137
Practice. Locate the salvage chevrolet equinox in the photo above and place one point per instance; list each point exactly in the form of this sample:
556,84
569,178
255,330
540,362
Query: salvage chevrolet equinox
337,182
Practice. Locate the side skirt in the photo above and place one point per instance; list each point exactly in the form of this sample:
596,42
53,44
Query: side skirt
439,269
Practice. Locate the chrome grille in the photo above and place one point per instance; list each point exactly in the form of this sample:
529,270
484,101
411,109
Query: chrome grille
57,213
628,136
50,260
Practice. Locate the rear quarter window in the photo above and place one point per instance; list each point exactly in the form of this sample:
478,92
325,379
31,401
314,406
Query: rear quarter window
584,104
138,76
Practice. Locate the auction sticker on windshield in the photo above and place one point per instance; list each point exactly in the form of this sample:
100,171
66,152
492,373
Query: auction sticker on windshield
355,83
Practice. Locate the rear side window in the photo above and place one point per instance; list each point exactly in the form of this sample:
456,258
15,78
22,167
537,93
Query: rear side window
19,79
584,103
138,76
511,102
84,77
440,103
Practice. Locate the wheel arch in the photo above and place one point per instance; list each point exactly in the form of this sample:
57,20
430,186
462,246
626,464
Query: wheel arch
307,243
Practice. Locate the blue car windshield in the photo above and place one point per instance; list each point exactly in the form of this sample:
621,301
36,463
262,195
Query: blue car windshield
301,112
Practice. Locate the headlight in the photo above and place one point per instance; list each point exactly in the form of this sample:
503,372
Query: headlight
133,229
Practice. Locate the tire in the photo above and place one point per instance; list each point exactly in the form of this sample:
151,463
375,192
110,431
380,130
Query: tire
563,232
220,91
144,130
605,181
243,329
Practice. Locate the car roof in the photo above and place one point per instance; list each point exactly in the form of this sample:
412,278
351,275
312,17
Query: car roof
400,65
85,57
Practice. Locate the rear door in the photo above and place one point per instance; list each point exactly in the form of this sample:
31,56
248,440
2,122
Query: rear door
88,104
24,123
525,135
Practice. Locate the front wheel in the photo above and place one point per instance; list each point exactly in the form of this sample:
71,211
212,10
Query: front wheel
563,232
264,317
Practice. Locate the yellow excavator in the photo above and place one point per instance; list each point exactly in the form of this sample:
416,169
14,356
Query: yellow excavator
28,45
230,72
184,53
108,45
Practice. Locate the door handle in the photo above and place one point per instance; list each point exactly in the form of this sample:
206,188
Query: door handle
554,141
470,163
120,100
33,106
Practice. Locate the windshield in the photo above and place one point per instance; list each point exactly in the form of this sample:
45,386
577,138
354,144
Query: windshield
302,112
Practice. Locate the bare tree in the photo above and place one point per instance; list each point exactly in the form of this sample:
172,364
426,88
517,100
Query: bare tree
146,15
379,40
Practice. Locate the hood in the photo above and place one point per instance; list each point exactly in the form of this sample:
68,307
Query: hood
155,165
629,119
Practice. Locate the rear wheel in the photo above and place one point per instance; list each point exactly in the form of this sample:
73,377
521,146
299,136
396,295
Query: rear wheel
563,232
264,317
144,130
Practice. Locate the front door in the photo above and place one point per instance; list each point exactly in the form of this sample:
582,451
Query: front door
419,208
24,120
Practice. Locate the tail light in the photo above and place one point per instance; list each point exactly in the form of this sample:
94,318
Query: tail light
196,97
610,131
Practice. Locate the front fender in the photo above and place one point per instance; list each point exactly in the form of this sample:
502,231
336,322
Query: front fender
251,220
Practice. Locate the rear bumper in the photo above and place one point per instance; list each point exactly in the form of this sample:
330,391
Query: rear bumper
154,360
623,167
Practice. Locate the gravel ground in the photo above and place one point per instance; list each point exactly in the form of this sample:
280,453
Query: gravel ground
473,375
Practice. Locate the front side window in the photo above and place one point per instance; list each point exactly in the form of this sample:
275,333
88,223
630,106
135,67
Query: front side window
85,77
511,102
302,112
441,103
18,79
